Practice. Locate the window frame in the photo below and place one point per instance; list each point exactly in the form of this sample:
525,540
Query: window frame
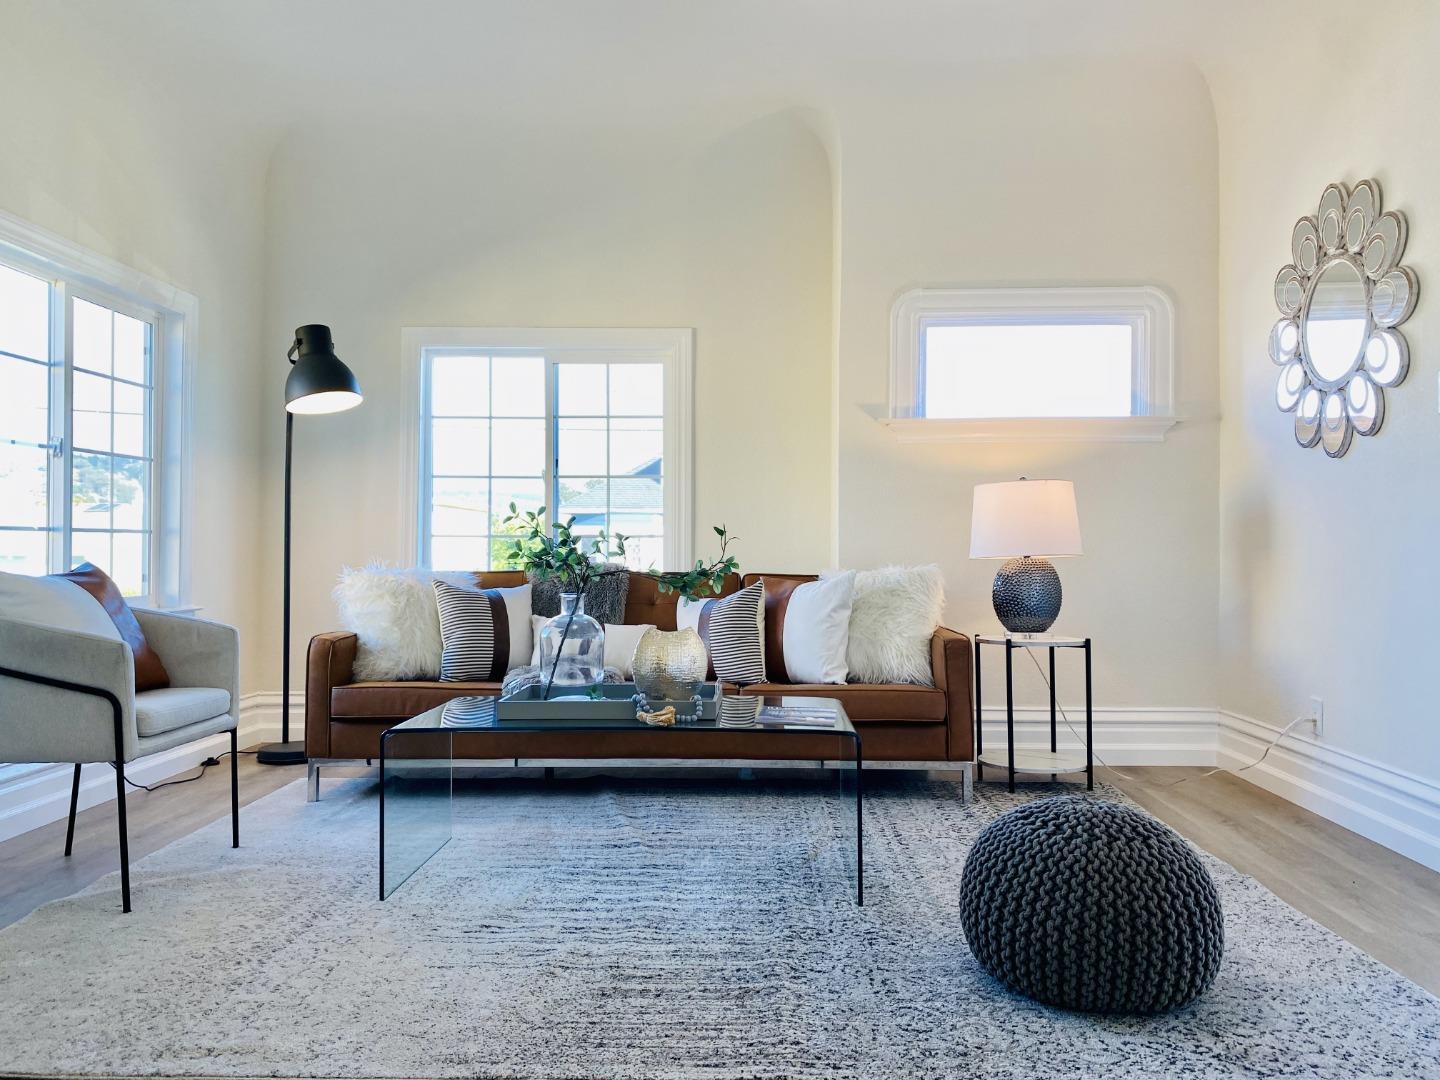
673,348
1147,310
75,272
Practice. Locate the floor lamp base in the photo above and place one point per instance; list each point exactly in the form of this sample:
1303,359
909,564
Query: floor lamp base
282,753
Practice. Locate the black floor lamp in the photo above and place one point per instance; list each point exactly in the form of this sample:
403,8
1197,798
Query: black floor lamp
319,382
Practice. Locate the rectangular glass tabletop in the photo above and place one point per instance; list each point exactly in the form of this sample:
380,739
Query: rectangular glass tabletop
417,764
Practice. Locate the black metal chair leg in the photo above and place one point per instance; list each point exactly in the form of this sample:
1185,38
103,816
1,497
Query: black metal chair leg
124,836
74,803
234,788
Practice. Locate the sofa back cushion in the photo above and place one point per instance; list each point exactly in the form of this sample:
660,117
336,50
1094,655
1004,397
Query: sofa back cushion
500,579
647,604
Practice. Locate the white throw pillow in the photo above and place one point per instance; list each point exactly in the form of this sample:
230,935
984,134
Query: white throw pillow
816,631
54,602
895,613
621,640
392,611
733,629
484,632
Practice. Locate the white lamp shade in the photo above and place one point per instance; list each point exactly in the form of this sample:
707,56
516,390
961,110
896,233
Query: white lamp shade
1024,517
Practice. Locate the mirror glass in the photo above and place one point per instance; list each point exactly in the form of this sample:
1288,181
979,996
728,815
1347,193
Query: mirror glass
1336,321
1342,298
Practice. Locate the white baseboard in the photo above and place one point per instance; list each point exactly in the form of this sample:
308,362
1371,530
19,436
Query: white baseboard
42,796
1385,804
1122,736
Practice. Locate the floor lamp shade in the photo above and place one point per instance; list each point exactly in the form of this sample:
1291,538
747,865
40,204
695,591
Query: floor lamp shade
319,382
1025,522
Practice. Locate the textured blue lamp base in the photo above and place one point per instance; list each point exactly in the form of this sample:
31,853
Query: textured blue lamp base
1026,595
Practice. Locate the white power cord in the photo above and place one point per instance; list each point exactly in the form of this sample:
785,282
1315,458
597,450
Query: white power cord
1111,768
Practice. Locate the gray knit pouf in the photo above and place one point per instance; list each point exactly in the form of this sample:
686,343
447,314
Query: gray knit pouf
1090,905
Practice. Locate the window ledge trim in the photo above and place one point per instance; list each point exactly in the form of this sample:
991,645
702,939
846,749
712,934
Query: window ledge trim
1127,429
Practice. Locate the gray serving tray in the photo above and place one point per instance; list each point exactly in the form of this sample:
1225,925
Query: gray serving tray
616,702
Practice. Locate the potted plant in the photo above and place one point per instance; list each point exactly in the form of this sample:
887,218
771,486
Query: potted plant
575,563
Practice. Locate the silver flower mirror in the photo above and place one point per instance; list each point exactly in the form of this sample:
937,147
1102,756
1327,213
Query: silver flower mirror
1340,302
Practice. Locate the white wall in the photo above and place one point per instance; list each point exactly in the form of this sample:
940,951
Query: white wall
1329,581
721,227
1099,174
91,153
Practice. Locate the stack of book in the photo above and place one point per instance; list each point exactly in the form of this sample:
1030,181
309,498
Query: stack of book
797,716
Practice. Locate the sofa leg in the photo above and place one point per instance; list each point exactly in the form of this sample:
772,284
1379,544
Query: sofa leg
74,803
234,787
312,783
124,836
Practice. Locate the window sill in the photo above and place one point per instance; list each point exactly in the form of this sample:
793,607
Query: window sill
1033,429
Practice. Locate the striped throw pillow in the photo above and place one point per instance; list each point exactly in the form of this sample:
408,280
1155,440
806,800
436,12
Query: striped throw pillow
483,632
733,629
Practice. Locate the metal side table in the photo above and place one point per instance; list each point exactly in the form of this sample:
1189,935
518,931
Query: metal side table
1054,761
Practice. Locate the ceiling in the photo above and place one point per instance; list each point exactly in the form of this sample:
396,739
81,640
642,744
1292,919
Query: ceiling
285,64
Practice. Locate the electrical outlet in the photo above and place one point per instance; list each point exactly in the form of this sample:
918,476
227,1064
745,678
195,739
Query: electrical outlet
1317,715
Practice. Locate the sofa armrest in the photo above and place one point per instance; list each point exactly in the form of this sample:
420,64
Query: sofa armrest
329,663
195,652
41,723
950,658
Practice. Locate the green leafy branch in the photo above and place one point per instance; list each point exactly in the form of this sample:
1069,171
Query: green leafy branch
701,580
558,554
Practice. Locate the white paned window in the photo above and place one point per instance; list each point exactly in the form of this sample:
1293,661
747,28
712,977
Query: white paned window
91,409
590,424
1045,363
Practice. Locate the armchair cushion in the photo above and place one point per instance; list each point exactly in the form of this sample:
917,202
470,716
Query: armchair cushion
159,711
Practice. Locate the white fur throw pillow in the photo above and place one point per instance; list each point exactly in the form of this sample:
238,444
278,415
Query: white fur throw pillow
895,613
393,613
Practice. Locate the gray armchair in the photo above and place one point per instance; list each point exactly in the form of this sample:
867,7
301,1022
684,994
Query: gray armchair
70,697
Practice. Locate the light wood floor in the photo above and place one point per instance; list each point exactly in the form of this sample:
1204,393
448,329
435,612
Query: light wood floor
1380,901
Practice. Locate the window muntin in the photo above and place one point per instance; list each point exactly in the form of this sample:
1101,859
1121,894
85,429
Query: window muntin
584,435
78,431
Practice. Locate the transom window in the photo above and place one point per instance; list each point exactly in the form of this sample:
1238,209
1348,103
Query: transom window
81,442
981,355
593,427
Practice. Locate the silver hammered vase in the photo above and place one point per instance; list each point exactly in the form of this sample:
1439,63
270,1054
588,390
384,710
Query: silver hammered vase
670,665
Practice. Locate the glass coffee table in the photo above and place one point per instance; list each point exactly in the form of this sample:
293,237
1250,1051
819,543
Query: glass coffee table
419,758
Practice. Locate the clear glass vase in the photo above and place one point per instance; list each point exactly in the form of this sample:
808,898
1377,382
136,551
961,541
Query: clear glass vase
579,642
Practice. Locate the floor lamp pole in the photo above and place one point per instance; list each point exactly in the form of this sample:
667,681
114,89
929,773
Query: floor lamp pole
285,752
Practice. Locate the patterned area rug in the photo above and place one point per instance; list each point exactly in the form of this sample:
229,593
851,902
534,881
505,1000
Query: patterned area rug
638,929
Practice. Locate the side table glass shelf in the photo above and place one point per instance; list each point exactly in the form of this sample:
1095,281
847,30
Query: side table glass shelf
1015,759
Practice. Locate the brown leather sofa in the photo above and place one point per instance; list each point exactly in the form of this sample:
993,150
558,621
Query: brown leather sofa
896,722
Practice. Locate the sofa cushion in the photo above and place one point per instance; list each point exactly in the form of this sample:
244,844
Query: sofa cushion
894,702
159,711
392,699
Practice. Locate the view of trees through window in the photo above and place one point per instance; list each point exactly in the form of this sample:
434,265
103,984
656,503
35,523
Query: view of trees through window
99,510
583,439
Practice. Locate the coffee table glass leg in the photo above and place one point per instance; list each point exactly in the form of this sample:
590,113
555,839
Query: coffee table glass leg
859,824
416,802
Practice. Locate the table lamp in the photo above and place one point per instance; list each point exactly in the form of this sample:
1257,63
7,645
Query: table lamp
1026,523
